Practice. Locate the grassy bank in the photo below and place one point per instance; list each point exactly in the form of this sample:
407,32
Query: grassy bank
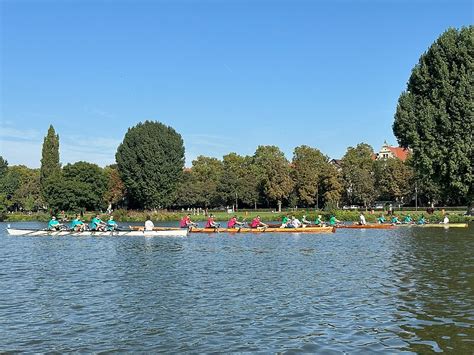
164,216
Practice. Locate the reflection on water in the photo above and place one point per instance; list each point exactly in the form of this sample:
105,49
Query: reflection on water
404,290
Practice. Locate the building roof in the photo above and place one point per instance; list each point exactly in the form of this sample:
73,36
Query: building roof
400,153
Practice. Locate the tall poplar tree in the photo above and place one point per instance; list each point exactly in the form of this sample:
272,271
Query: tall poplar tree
50,166
435,118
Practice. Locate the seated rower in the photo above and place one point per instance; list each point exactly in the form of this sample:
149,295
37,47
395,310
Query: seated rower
54,225
362,221
77,225
234,223
211,223
421,220
445,219
186,222
284,222
149,224
319,221
295,223
257,223
395,220
381,219
97,224
333,221
305,221
407,219
111,224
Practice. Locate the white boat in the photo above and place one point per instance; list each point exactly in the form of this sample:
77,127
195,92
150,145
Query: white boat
125,233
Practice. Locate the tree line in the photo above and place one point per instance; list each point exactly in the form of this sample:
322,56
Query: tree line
434,119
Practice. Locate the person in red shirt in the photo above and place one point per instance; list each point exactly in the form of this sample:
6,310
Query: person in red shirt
186,222
234,223
256,223
211,223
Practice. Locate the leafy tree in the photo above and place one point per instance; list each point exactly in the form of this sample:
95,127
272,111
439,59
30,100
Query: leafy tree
3,167
308,168
50,166
274,170
249,192
435,118
358,174
331,185
394,179
150,161
115,191
20,188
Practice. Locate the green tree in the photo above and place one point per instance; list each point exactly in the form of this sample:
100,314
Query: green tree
435,118
358,174
20,189
115,191
3,167
274,171
393,179
150,161
50,166
331,185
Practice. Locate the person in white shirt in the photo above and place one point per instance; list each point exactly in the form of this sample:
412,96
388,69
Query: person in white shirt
362,221
446,219
149,224
305,221
295,222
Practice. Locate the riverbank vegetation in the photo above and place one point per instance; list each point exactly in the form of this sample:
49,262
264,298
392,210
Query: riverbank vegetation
434,121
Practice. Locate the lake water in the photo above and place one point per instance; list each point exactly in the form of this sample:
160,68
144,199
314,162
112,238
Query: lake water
404,290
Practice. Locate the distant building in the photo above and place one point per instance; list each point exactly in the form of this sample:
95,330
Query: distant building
336,163
388,151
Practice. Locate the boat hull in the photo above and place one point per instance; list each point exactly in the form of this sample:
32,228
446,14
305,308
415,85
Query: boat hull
308,230
132,233
434,225
367,226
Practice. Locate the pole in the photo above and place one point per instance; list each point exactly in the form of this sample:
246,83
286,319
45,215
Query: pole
416,196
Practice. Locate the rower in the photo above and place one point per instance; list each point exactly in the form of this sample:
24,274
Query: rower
319,221
211,223
333,221
362,221
234,223
395,220
305,221
381,219
97,224
295,223
186,222
407,219
111,224
284,222
54,224
421,220
256,223
445,219
77,225
149,224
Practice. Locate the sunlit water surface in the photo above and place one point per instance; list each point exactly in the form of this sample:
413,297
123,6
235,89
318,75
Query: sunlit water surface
404,290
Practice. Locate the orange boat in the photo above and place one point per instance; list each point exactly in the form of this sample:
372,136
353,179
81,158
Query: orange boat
307,230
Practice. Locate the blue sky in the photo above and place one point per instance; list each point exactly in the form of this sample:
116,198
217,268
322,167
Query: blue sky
227,75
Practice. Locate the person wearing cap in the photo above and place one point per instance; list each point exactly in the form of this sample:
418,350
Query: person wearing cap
111,224
54,224
97,224
305,221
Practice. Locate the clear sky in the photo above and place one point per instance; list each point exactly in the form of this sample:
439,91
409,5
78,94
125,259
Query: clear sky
227,75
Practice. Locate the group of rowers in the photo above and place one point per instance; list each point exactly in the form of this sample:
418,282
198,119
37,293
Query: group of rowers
395,220
77,225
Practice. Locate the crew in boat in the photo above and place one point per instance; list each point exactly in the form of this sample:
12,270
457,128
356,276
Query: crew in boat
111,224
97,224
381,219
445,219
284,222
319,221
395,220
408,219
421,220
362,221
333,221
186,222
53,224
256,223
211,223
295,223
77,225
234,223
305,221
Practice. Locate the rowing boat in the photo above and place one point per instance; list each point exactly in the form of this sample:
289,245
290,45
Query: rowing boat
434,225
307,230
125,233
366,226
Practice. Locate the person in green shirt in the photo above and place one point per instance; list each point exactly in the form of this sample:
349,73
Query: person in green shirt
97,224
111,224
77,225
421,220
54,224
284,221
333,221
407,219
395,220
381,219
319,221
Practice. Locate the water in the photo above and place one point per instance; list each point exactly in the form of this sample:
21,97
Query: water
404,290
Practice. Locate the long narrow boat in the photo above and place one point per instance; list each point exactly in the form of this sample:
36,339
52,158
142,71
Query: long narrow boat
125,233
307,230
367,226
436,225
